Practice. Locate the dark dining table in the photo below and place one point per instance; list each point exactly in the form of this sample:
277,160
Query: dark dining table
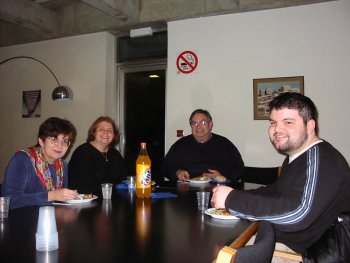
124,229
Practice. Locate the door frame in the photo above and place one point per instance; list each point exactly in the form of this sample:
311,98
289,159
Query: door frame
131,67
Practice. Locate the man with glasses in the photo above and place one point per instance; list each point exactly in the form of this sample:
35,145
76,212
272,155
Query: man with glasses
203,153
38,175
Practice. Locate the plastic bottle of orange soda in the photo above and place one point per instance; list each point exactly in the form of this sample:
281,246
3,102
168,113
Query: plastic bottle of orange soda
143,173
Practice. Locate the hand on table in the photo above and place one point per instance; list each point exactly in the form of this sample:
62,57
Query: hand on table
182,175
211,173
62,195
220,194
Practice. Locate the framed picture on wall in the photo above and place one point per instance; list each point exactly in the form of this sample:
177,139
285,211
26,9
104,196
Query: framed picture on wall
264,90
31,104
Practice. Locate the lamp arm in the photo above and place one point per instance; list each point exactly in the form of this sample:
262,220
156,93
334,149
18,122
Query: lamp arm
4,61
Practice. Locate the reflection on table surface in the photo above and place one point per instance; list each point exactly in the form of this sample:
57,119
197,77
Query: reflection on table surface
124,229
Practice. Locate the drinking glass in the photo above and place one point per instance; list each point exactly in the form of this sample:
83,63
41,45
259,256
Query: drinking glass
203,200
4,207
107,190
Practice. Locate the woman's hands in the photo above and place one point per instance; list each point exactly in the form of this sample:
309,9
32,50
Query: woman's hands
211,173
62,195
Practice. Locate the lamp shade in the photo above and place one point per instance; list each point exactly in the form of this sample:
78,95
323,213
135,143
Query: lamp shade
62,93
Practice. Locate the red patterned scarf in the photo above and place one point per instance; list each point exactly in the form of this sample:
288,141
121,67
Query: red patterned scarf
41,166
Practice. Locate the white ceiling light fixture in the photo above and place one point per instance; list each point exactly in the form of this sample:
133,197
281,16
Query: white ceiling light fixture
141,32
153,76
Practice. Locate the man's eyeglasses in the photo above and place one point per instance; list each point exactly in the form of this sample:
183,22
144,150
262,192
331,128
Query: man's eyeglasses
201,123
64,142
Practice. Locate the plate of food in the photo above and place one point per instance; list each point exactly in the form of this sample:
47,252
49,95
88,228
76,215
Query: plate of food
220,214
199,180
82,198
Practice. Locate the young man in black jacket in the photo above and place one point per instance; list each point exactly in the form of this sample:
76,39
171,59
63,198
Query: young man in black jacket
313,188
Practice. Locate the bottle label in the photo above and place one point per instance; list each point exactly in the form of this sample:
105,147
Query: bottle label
143,174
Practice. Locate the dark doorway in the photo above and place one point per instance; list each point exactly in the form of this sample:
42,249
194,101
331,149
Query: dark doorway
144,117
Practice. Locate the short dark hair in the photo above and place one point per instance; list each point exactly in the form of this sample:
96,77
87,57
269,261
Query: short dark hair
54,126
93,128
293,100
205,112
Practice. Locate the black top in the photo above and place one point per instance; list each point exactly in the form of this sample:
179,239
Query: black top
306,199
89,168
218,153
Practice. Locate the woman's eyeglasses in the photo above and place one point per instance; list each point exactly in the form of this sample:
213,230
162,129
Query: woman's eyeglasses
63,142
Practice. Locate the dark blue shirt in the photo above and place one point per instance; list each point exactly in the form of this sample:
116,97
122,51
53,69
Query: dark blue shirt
22,184
218,153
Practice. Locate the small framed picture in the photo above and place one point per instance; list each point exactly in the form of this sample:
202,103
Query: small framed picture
264,90
31,104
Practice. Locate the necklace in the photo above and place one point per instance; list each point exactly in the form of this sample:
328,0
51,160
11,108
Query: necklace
105,155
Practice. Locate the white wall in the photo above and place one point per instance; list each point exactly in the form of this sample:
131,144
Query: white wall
311,41
85,63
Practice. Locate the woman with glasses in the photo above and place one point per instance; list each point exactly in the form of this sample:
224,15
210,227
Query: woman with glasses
97,161
38,175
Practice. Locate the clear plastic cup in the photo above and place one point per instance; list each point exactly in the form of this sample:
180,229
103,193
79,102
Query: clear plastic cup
107,190
4,207
131,182
46,232
203,200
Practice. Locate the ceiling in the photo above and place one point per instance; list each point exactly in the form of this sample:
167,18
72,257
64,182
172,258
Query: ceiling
23,21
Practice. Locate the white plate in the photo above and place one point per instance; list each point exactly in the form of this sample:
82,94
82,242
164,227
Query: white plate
209,210
80,201
198,181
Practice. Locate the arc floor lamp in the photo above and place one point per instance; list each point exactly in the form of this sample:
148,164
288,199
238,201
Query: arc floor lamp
60,92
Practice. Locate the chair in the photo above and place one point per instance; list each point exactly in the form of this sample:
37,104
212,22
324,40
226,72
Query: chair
262,251
228,253
254,177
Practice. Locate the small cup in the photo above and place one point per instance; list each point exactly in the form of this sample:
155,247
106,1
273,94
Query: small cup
131,182
107,190
203,200
4,207
46,233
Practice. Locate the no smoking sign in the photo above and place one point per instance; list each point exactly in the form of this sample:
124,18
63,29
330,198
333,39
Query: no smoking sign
187,62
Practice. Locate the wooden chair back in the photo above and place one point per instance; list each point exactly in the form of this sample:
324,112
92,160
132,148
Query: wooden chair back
228,254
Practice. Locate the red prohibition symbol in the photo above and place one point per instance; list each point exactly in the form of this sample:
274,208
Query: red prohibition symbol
187,62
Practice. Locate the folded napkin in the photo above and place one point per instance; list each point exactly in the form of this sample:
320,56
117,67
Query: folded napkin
122,186
217,182
162,195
